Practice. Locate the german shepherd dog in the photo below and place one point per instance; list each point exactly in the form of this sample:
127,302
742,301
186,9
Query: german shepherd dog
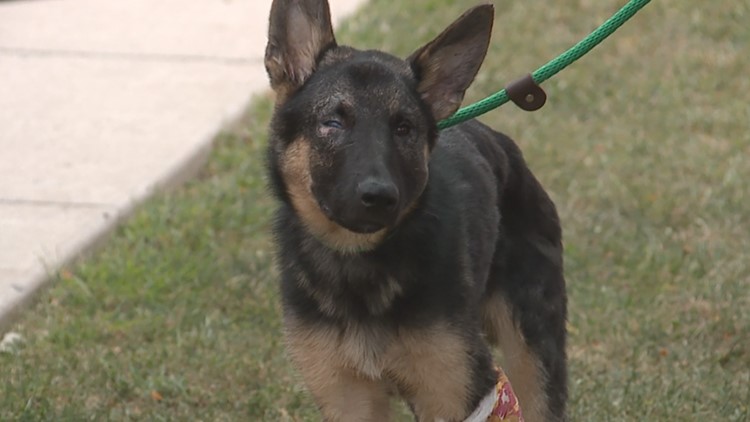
406,252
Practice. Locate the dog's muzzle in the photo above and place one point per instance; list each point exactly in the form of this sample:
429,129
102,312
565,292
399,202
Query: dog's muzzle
373,206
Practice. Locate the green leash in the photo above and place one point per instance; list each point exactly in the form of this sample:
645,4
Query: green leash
527,85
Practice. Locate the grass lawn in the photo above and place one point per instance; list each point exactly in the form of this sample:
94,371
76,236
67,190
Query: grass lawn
643,144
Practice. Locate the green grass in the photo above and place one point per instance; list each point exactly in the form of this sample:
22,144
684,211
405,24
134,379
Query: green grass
643,145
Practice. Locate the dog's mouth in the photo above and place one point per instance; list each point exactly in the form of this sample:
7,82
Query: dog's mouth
364,227
360,225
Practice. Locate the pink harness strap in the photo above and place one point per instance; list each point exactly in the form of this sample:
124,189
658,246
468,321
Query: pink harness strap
499,405
506,407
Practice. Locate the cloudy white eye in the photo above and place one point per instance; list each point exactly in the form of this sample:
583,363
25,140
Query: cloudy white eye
333,124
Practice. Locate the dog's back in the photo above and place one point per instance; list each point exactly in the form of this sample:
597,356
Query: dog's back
524,304
402,250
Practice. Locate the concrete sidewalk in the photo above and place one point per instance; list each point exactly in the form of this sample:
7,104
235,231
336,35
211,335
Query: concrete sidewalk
102,102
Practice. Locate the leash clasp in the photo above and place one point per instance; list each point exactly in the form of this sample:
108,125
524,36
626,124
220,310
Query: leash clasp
526,94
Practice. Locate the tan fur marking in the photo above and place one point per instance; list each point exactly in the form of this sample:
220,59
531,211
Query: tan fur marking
333,367
295,166
325,301
522,367
432,370
352,373
381,302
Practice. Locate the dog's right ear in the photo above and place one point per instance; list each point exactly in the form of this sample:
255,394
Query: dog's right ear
298,32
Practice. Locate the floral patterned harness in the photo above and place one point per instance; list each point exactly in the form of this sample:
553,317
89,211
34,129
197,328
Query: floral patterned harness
501,405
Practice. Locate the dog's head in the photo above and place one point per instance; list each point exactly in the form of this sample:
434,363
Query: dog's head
353,130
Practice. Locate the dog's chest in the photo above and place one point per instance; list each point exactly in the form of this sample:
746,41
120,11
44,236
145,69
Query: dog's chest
381,295
368,346
344,297
366,349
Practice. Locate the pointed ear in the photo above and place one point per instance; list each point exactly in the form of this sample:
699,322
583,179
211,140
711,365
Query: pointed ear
298,32
447,65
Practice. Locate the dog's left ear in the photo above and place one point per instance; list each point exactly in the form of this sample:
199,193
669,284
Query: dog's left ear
447,65
298,32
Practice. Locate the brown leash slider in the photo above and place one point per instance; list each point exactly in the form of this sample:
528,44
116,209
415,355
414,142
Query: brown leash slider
526,94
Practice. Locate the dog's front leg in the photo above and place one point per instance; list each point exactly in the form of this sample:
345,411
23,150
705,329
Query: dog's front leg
346,397
442,372
340,393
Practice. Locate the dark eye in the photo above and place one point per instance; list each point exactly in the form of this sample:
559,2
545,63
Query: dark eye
403,129
334,124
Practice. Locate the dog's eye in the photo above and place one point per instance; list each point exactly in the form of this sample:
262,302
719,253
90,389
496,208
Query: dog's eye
334,124
403,129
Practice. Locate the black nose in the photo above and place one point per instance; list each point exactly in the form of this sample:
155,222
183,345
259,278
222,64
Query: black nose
377,194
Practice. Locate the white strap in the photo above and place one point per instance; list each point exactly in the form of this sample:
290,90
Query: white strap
482,412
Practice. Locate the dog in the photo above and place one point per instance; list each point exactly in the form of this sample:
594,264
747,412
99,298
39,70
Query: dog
405,253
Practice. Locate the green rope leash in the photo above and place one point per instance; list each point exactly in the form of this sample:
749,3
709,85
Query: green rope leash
551,68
